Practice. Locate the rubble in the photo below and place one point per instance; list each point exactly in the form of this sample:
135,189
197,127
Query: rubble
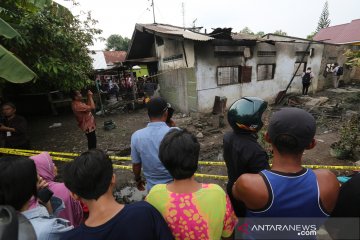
200,135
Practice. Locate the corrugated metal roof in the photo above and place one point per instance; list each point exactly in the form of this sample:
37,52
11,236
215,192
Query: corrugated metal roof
98,60
173,30
112,57
344,33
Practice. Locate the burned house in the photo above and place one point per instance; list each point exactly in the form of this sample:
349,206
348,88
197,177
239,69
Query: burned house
192,68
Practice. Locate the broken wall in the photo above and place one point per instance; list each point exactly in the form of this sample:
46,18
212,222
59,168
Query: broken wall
332,54
280,59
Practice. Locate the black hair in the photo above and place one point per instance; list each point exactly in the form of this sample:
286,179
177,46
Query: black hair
10,104
18,179
287,144
179,152
89,175
73,94
156,115
309,68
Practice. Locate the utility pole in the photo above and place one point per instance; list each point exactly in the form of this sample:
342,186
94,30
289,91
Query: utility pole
152,3
183,14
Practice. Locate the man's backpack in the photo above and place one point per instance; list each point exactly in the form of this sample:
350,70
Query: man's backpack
306,78
340,71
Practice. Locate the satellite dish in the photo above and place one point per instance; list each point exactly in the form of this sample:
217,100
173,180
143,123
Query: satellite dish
136,67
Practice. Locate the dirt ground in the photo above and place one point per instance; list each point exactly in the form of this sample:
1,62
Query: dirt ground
69,138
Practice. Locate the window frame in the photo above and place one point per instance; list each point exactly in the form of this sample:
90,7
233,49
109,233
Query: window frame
272,74
232,82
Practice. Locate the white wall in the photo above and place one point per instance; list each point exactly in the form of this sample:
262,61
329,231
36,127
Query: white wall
206,66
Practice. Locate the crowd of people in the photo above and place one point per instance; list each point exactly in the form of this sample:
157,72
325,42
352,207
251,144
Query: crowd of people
177,206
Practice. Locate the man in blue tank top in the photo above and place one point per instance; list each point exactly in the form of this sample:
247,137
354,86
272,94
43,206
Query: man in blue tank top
288,189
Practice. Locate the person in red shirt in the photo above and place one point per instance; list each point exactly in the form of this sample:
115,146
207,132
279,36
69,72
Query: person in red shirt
84,117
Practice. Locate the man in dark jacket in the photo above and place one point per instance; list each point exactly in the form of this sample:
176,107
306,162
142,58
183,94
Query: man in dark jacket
242,152
14,128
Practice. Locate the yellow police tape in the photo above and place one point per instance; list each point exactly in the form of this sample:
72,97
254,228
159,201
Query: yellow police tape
29,153
23,152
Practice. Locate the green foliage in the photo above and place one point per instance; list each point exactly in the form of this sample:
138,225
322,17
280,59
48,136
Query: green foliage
349,135
246,30
54,44
260,33
9,63
280,32
324,20
116,42
311,36
353,58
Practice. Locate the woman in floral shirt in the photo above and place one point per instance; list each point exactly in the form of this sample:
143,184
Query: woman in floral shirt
192,210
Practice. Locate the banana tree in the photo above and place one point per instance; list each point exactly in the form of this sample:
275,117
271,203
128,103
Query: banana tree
12,69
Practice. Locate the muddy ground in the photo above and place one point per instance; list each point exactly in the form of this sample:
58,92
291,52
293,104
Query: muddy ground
329,114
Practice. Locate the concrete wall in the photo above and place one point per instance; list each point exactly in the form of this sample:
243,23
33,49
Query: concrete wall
206,66
178,87
177,77
355,74
174,47
332,54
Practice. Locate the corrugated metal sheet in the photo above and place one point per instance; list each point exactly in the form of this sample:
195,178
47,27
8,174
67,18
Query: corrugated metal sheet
241,36
344,33
112,57
98,60
176,31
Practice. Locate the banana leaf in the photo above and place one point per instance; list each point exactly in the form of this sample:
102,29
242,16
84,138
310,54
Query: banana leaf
13,69
7,31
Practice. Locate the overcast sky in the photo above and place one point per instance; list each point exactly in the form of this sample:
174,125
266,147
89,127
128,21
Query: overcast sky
296,17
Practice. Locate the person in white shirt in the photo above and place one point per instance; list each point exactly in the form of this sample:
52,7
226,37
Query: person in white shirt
336,77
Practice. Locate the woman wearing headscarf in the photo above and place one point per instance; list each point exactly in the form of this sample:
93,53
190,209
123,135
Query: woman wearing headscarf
48,171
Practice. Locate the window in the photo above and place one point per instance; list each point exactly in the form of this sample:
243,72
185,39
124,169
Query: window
227,75
159,41
265,71
173,58
245,76
266,53
301,69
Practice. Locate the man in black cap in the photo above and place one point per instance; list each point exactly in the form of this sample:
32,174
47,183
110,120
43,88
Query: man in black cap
145,145
288,189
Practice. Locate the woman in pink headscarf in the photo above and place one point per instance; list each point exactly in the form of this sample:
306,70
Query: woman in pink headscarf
47,170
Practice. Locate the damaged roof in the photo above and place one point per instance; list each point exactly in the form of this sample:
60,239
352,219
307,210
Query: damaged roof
172,30
340,34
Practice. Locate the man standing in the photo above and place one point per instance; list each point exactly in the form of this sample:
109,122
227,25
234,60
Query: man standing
149,88
288,190
337,71
242,152
306,80
14,128
145,145
84,117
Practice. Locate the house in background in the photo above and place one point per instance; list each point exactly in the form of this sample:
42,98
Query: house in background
195,67
114,58
348,33
343,34
103,60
